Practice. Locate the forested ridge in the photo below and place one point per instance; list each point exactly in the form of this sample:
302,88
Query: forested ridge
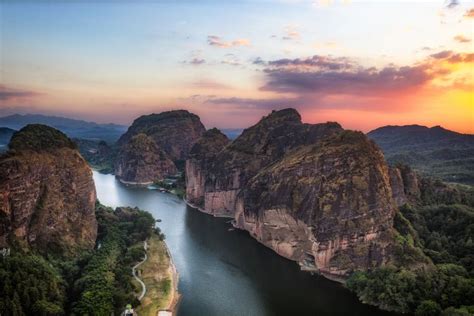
434,272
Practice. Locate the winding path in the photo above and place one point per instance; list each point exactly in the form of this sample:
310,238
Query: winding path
134,271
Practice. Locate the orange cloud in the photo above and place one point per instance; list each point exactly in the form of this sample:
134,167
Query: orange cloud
217,41
469,14
462,39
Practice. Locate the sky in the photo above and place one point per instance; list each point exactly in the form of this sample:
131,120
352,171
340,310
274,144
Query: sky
364,64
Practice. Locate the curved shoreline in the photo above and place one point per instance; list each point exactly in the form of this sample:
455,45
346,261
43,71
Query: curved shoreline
173,303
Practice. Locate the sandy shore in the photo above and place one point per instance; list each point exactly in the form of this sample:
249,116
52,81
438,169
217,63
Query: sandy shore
173,302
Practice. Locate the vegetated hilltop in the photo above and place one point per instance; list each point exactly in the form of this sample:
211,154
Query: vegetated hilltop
433,151
47,193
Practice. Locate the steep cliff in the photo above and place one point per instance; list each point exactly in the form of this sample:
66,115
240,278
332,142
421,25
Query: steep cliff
200,159
47,194
411,187
315,194
327,205
140,160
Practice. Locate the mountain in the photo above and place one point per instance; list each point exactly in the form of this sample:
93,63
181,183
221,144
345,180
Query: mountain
99,154
163,145
314,193
433,151
47,193
326,198
232,133
71,127
140,160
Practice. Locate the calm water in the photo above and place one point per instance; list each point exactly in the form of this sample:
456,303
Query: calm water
226,272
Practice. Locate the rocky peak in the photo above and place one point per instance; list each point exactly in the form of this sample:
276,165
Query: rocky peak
47,194
211,142
173,132
141,161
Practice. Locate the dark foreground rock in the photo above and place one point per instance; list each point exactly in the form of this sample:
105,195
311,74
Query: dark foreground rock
47,194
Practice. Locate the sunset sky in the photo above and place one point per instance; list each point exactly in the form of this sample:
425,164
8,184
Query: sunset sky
362,63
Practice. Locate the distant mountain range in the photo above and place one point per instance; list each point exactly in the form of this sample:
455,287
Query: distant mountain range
232,133
434,151
73,128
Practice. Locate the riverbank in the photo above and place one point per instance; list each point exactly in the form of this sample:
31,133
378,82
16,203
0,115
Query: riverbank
161,279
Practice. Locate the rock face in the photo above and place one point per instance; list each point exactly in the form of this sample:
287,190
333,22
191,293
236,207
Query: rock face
47,194
409,187
174,133
141,161
315,194
200,159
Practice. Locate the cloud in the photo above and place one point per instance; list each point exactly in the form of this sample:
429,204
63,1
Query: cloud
291,33
217,41
258,61
452,4
340,75
209,84
231,60
469,14
316,61
462,39
197,61
328,82
7,94
268,104
452,57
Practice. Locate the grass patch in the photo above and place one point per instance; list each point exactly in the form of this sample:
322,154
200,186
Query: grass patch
157,276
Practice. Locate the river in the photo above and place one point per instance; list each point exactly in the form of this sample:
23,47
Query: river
225,272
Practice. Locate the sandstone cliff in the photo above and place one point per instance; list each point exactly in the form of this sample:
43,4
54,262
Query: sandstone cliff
47,194
314,193
174,133
141,161
200,160
410,187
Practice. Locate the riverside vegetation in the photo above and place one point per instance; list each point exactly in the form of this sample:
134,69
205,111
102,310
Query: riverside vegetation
96,282
66,253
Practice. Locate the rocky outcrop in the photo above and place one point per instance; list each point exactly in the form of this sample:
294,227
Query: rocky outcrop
200,159
315,194
266,142
174,133
140,161
47,194
410,187
327,206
